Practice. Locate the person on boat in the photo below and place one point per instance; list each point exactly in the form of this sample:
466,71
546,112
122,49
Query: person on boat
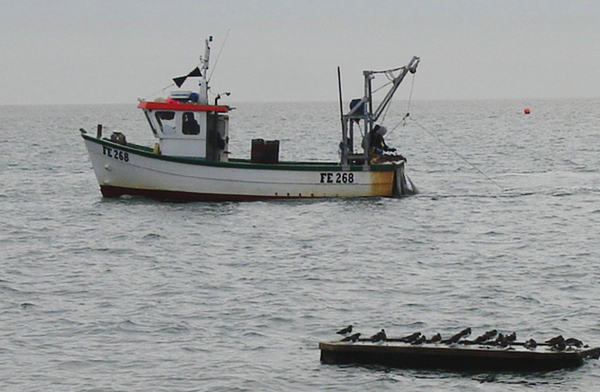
190,125
377,145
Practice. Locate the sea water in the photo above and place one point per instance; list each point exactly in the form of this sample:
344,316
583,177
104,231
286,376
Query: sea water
132,294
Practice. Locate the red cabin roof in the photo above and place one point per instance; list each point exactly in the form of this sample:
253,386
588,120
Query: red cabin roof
188,107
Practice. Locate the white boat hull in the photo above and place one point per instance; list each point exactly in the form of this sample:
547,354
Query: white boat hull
133,170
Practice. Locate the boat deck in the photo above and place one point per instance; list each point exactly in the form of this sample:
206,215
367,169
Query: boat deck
244,163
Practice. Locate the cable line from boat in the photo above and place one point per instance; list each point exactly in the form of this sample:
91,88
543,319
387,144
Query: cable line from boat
219,55
412,85
403,121
385,113
457,154
382,86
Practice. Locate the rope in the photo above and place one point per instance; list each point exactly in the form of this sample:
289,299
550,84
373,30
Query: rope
390,76
403,121
218,55
385,112
457,154
412,84
390,103
380,87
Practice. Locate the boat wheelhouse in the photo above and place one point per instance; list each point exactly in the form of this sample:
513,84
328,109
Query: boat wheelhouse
189,130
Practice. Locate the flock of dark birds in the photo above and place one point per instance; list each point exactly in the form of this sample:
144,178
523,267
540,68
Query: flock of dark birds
490,338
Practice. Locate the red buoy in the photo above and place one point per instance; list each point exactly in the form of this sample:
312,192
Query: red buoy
526,111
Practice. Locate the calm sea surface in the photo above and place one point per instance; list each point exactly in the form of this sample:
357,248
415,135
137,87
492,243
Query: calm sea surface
140,295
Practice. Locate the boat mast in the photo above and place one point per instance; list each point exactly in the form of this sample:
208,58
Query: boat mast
203,86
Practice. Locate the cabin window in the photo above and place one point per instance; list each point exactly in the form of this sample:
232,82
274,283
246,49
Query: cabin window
190,124
166,121
150,122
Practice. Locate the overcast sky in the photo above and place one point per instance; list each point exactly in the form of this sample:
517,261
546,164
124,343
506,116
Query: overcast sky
104,51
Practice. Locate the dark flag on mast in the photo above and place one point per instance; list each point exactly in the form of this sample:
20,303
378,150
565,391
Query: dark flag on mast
180,80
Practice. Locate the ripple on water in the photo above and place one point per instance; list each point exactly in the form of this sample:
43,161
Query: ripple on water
130,293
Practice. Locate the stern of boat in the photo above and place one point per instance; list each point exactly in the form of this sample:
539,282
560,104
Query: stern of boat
403,186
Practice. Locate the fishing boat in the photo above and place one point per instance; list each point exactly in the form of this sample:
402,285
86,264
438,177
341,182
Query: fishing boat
494,355
191,159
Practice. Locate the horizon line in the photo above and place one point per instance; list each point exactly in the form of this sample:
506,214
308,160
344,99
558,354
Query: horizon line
316,101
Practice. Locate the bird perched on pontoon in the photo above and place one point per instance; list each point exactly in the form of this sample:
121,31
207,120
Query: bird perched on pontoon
511,338
501,340
573,342
379,336
345,331
530,344
458,336
486,336
435,338
352,338
556,340
410,338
